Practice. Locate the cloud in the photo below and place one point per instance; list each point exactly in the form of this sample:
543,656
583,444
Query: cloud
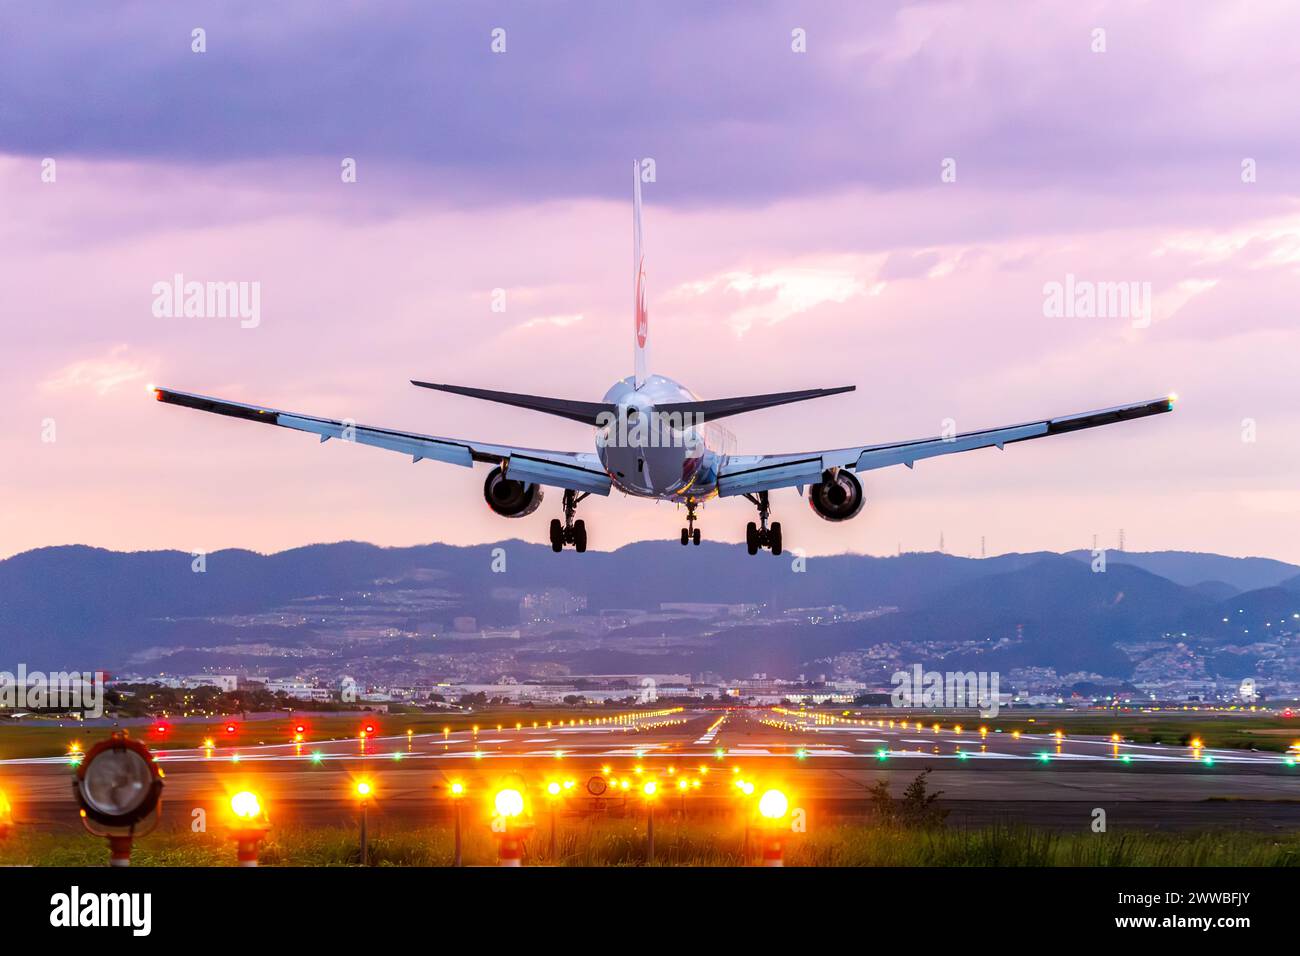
885,91
775,295
558,321
102,375
909,265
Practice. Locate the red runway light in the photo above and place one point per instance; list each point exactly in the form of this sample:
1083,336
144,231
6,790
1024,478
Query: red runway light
299,729
230,728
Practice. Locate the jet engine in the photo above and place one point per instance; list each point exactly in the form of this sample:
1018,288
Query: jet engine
510,498
838,497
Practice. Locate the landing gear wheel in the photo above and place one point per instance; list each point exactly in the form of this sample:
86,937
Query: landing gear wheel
569,531
760,535
690,533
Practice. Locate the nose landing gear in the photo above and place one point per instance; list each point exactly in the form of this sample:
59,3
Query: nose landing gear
570,532
760,535
690,534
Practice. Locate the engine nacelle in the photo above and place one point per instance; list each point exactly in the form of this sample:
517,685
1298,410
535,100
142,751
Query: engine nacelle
838,497
510,498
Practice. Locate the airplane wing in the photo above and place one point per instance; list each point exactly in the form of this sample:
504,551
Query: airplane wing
559,469
750,474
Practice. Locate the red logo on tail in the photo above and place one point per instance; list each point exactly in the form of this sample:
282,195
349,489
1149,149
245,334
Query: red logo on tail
642,318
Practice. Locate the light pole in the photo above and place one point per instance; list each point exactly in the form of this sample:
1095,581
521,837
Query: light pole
746,790
364,791
553,790
649,789
457,791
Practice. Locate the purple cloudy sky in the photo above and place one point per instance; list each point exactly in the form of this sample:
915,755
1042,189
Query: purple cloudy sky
798,235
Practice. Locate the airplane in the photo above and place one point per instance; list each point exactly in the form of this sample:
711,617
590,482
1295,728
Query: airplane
657,439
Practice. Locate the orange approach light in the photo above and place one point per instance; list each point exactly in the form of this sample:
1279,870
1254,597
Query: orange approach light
773,805
245,805
509,802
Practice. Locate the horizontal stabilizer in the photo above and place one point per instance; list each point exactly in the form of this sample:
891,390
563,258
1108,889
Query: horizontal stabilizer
722,407
585,412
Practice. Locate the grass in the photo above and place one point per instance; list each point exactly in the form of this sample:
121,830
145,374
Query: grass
1260,731
1268,733
620,843
44,737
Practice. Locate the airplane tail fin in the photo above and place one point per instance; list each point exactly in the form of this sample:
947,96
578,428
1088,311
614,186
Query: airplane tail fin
642,318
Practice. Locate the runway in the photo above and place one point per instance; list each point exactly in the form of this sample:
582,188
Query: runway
700,761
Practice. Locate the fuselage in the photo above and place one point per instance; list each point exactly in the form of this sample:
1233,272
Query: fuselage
657,456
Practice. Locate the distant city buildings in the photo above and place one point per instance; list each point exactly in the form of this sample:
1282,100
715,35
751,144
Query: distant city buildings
300,689
553,604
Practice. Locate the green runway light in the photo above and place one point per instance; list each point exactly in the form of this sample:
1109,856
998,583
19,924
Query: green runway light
234,758
719,753
800,753
397,755
316,756
962,755
882,753
1290,761
1208,761
1126,758
1045,757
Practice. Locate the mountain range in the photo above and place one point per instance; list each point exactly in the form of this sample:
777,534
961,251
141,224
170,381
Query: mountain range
80,607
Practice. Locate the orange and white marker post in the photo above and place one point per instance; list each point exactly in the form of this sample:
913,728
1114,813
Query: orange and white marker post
773,849
774,808
119,850
510,826
251,826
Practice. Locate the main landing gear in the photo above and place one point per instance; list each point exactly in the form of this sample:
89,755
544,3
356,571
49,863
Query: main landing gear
690,534
760,535
570,532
